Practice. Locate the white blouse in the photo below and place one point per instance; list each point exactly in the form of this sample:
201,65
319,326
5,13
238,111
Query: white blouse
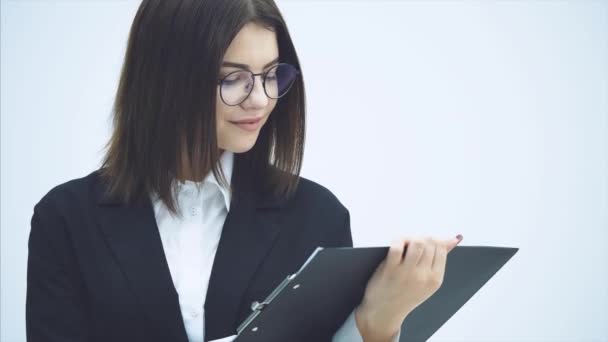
190,245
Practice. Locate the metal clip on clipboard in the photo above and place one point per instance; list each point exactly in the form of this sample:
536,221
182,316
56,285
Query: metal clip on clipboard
257,307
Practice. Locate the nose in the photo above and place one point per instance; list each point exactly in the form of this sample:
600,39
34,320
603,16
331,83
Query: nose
257,98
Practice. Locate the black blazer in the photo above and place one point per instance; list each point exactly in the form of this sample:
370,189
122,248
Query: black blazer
97,270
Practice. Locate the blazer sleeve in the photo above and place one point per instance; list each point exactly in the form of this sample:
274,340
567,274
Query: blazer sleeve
349,332
54,309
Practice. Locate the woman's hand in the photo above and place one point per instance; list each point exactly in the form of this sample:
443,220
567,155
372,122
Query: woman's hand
400,284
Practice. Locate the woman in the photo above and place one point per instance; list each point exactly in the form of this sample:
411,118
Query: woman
198,208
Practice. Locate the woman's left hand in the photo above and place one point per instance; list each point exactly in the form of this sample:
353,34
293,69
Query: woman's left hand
400,284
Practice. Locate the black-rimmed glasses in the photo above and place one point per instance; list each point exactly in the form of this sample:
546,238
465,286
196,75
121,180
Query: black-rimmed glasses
236,86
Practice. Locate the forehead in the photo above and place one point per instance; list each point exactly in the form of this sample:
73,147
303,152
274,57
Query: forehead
254,45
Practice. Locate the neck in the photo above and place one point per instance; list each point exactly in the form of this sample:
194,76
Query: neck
185,172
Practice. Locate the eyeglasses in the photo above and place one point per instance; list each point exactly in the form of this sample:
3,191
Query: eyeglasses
236,86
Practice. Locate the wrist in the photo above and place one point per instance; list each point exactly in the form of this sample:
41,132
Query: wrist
374,327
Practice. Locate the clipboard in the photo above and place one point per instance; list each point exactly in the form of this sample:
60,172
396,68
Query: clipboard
331,283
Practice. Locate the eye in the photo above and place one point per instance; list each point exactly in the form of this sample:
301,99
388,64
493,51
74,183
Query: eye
236,77
229,82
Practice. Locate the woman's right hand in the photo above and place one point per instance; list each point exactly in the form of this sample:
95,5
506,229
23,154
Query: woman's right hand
400,284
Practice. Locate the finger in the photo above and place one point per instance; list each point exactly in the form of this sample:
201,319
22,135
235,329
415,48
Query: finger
429,252
439,262
452,243
415,248
395,253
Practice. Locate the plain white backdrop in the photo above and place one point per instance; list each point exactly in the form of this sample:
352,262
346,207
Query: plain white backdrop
486,118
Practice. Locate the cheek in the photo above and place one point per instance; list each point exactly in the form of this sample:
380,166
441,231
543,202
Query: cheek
221,122
221,117
224,112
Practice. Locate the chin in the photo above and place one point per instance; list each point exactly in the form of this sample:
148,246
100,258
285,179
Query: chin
241,147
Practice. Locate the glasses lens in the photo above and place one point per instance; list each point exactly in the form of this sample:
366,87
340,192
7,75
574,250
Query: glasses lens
236,86
279,79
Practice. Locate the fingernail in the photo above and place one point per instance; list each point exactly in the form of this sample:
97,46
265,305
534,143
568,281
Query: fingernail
459,237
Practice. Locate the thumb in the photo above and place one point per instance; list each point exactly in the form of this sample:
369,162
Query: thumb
395,252
454,242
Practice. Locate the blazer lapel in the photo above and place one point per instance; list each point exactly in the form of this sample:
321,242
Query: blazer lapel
247,236
248,233
133,237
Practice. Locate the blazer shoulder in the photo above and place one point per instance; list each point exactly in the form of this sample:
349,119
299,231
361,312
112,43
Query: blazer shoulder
75,191
58,213
318,196
325,211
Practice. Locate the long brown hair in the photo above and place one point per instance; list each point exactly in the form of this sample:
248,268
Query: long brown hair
166,99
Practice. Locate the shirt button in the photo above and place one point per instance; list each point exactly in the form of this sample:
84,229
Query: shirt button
193,211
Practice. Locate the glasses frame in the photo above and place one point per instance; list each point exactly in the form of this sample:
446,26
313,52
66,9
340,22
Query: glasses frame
263,75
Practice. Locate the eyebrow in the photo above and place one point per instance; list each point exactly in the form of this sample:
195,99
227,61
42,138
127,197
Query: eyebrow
245,66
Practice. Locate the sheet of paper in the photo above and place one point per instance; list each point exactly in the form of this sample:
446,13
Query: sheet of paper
226,339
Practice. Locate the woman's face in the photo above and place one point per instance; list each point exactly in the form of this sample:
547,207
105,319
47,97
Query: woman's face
256,48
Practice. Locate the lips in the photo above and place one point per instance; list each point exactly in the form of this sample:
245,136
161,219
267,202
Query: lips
247,121
248,125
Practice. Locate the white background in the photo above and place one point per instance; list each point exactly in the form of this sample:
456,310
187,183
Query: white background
486,118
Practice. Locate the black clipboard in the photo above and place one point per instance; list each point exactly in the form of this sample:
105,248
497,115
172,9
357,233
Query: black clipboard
331,283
